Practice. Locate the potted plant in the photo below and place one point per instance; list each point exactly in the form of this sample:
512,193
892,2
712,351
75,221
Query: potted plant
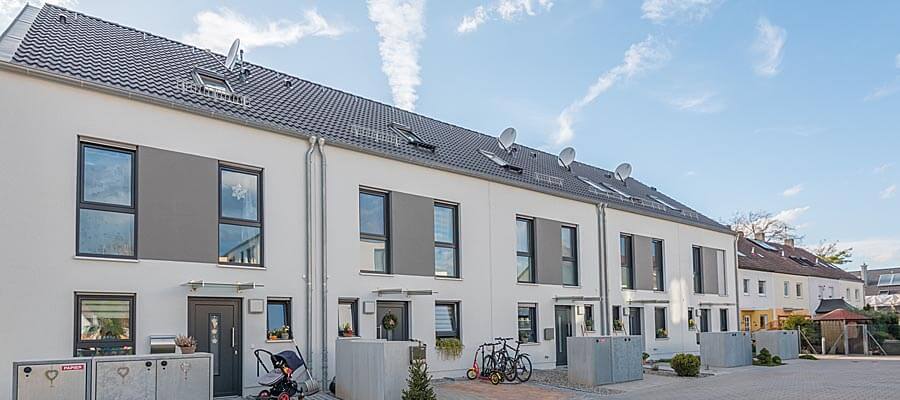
187,344
346,330
662,333
589,325
449,348
691,324
285,333
273,334
618,326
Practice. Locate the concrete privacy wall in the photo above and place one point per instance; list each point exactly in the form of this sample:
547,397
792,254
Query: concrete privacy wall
784,344
178,211
371,369
726,349
411,234
602,360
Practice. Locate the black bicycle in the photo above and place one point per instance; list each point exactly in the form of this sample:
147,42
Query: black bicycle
518,365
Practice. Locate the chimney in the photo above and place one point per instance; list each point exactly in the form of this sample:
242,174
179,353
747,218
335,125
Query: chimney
740,235
760,236
789,243
863,273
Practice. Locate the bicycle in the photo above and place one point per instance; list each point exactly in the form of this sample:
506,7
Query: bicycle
519,363
487,370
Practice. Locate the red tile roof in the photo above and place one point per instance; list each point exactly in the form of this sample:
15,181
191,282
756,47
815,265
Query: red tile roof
841,315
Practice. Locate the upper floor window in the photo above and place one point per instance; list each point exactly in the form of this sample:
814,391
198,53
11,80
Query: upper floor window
446,239
746,286
698,269
799,289
569,256
103,325
761,288
848,293
787,289
656,263
373,231
106,202
856,293
240,216
525,250
626,252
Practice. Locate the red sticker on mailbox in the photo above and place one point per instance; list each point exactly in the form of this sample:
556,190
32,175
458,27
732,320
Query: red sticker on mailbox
72,367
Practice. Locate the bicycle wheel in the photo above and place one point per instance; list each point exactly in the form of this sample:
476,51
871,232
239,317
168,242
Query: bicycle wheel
488,367
523,368
507,367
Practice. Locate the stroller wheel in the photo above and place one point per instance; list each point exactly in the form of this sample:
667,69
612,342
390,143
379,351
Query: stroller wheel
284,396
496,378
471,374
264,395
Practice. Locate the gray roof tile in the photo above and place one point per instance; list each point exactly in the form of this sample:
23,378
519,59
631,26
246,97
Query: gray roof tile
106,53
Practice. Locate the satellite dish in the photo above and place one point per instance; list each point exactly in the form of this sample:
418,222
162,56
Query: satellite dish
566,156
232,54
507,138
623,171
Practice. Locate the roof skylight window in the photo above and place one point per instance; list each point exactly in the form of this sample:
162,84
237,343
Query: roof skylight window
764,245
621,193
499,161
663,202
410,136
594,185
212,81
889,280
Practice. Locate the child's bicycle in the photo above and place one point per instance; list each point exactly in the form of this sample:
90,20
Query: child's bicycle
487,371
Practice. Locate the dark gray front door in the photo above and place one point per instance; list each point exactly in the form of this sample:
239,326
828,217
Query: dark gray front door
400,314
563,331
216,324
635,325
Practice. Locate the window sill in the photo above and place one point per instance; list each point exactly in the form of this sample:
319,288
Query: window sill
572,286
259,268
279,340
531,344
447,278
112,259
383,274
527,283
662,339
347,337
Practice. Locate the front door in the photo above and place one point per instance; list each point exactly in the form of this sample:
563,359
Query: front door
216,324
635,325
563,331
393,321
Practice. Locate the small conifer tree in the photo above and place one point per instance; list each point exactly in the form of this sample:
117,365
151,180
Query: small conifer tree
419,383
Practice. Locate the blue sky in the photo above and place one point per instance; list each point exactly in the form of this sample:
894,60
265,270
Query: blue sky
789,107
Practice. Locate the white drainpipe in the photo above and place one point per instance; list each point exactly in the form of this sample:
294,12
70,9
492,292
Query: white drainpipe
605,312
322,208
309,245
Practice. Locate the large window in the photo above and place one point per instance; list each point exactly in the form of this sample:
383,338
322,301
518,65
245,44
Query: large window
104,325
525,250
106,202
527,323
446,320
626,251
373,231
659,314
446,241
698,269
347,318
278,319
656,262
723,319
569,256
240,216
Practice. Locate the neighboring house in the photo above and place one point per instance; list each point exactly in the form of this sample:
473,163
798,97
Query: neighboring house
778,280
153,191
882,286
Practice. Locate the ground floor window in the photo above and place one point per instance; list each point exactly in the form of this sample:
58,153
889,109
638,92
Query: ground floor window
446,320
617,324
527,323
747,323
104,325
659,314
723,320
692,325
347,318
278,319
763,321
588,317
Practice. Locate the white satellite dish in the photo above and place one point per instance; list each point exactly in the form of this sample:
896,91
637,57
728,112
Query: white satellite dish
232,54
623,171
507,139
566,156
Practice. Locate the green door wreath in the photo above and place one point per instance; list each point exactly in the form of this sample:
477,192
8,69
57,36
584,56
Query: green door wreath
389,322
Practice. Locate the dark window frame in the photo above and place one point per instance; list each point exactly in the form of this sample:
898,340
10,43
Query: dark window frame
665,322
132,322
457,330
660,280
697,254
386,238
574,258
203,76
723,320
589,309
258,223
617,316
354,316
623,237
97,206
455,245
286,303
530,254
533,314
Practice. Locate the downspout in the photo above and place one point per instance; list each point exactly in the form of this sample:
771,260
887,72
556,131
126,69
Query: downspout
604,276
309,245
324,234
737,299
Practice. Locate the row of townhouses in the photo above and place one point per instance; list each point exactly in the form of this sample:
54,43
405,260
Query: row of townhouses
778,280
151,190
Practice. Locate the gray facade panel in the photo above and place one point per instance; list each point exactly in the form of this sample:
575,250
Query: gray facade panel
412,234
643,270
178,211
710,264
548,246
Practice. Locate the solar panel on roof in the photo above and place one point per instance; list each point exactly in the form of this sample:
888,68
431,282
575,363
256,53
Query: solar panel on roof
663,202
593,185
621,193
764,245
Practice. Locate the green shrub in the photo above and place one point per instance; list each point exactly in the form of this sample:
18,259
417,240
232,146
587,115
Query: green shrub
764,356
645,356
686,364
776,360
808,357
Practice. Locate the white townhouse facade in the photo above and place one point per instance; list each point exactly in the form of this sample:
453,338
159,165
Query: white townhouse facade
152,191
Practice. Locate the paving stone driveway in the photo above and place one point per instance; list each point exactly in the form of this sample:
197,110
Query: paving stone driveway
799,379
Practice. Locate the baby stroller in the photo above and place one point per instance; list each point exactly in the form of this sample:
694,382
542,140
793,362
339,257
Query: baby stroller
280,381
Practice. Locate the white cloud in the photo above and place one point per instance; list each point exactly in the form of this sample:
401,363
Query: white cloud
640,56
884,90
769,45
881,251
897,61
660,11
888,192
690,173
507,10
9,9
790,216
216,30
792,191
401,26
699,103
882,168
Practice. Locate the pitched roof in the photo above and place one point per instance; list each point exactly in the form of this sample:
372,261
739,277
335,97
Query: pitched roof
787,260
841,315
121,60
829,305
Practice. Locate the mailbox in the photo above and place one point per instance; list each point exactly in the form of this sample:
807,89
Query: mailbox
162,344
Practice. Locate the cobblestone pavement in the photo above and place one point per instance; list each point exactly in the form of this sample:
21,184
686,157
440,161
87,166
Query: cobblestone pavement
799,379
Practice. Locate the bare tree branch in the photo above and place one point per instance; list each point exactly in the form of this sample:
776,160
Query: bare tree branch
831,253
751,223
